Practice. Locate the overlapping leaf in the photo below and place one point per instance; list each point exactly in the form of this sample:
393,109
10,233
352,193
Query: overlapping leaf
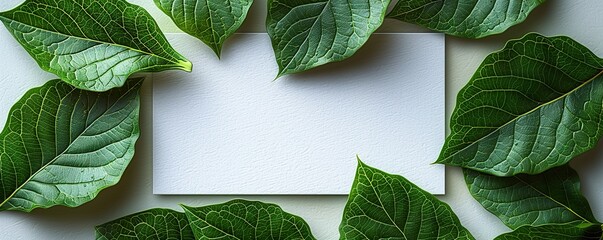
465,18
153,224
309,33
92,44
240,219
530,107
552,197
211,21
62,145
384,206
568,231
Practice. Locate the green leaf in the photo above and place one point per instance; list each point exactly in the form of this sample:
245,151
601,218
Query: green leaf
240,219
570,231
61,145
92,44
309,33
550,197
153,224
384,206
468,18
530,107
211,21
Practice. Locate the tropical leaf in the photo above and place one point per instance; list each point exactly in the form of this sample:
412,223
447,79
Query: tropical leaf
309,33
465,18
62,145
530,107
552,197
92,44
240,219
153,224
211,21
568,231
384,206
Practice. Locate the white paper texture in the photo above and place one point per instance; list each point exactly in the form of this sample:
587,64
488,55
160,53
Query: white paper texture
230,128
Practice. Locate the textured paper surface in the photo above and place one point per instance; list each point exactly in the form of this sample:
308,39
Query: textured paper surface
230,128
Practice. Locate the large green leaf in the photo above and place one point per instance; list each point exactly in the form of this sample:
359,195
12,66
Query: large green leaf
465,18
530,107
152,224
92,44
62,145
384,206
211,21
569,231
550,197
240,219
309,33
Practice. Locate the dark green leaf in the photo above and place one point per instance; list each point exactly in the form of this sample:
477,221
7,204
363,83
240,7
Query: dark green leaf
153,224
62,145
240,219
211,21
309,33
384,206
570,231
550,197
530,107
465,18
92,44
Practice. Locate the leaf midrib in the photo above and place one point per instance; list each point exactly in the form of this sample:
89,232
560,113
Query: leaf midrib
65,150
322,11
552,199
176,61
596,76
208,223
382,206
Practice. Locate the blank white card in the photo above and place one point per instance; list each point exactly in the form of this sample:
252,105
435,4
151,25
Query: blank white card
230,128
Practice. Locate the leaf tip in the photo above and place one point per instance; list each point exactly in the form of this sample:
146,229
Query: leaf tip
360,162
185,65
282,72
217,50
279,75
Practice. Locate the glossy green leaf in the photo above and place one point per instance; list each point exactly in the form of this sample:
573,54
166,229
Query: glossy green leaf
62,145
550,197
240,219
530,107
570,231
92,44
465,18
384,206
309,33
153,224
211,21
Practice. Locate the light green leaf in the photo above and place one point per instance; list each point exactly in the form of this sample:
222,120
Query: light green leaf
62,145
530,107
384,206
240,219
309,33
152,224
570,231
550,197
92,44
465,18
211,21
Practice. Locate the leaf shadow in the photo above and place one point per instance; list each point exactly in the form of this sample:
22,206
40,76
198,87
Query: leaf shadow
589,166
368,58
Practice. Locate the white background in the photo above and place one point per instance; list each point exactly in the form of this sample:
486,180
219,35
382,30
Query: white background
235,130
580,19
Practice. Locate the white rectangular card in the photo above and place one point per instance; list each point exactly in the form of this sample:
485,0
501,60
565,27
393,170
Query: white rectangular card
230,128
